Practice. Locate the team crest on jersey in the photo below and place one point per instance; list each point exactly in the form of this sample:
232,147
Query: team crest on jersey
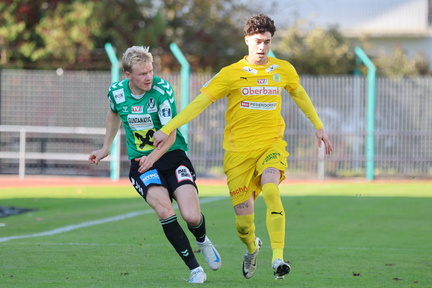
119,96
151,105
183,173
250,70
276,77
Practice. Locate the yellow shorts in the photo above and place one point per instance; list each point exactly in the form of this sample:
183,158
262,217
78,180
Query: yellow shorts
244,169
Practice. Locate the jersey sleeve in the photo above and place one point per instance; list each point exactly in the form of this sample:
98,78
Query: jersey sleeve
219,86
116,95
294,79
301,98
167,106
199,104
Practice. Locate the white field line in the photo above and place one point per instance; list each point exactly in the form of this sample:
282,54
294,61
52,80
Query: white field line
95,222
231,246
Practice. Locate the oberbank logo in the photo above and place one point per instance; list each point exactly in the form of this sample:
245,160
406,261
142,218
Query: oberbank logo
254,91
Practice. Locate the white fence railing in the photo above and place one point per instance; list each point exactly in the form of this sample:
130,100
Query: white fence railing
22,154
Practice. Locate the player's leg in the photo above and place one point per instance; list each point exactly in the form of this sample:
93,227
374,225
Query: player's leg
188,203
275,212
182,182
246,231
157,196
239,169
174,232
271,167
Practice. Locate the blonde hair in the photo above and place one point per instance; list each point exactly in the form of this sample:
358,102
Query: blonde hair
134,55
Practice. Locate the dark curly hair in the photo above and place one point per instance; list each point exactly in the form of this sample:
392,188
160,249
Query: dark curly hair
259,23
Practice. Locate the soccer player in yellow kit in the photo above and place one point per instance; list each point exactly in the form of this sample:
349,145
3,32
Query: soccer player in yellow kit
255,157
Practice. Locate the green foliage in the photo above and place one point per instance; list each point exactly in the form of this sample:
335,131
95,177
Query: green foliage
71,34
10,28
398,64
208,32
68,33
316,51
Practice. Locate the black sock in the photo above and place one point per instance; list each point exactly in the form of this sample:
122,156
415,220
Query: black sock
199,231
179,241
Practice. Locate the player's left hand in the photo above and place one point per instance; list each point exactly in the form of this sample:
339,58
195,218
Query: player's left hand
323,137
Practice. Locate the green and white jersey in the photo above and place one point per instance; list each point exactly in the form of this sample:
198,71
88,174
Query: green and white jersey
145,114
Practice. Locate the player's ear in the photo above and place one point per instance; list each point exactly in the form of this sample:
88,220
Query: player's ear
127,74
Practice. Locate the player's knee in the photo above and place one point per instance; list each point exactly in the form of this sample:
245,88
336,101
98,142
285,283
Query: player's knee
192,219
270,192
244,223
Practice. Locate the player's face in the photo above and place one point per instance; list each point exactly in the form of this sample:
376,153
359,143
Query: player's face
259,47
140,77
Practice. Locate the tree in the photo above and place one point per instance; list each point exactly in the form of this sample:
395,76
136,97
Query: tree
316,51
398,64
68,34
129,22
10,28
208,32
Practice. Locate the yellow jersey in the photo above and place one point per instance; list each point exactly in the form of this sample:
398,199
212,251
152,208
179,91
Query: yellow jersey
254,93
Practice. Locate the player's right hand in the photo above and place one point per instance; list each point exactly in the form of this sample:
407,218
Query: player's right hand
96,156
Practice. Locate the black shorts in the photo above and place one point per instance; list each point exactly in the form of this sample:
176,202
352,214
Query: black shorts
171,171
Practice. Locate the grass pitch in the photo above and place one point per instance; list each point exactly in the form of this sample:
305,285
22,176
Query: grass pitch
338,235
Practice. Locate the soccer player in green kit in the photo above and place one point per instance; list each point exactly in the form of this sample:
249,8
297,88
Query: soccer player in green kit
144,103
255,149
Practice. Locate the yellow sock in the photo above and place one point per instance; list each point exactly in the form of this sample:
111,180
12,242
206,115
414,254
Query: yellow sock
275,219
246,231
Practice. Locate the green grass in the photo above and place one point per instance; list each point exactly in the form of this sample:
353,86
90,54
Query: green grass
334,232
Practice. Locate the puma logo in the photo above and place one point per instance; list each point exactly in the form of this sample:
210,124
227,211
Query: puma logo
280,213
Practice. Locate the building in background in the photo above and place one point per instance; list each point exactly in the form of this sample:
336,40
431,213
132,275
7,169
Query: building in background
386,24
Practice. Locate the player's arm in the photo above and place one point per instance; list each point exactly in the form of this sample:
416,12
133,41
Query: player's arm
199,104
146,162
113,123
301,98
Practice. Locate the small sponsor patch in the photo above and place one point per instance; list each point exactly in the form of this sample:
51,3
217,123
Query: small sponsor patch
258,105
183,173
137,109
271,68
151,177
250,70
119,96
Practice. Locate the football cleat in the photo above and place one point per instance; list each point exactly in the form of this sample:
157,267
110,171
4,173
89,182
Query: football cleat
211,255
249,260
197,275
280,268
